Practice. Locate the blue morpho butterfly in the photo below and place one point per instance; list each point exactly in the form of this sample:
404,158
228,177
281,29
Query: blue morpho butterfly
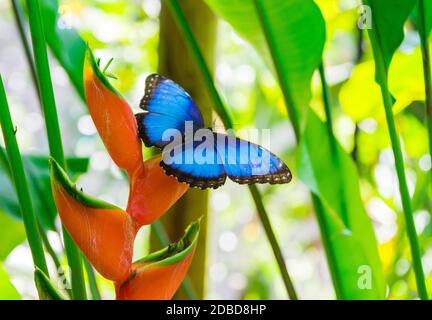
169,107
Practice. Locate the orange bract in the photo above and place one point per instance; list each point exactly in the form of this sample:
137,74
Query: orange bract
152,191
104,233
157,282
113,118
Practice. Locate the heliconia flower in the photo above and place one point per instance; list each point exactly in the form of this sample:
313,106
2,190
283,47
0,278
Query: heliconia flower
103,232
159,275
152,192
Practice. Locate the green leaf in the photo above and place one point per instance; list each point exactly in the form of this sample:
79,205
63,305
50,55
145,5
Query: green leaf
296,33
45,288
354,244
405,83
38,176
7,289
387,34
65,42
12,234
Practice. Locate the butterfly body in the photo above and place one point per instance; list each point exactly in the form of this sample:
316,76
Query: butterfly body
197,155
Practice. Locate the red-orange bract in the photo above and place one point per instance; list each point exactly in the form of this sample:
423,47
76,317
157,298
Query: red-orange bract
103,232
158,276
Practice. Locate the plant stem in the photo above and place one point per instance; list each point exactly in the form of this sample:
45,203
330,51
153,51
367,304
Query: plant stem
195,51
20,182
426,71
180,18
17,10
48,246
53,133
92,280
333,143
382,74
295,120
273,241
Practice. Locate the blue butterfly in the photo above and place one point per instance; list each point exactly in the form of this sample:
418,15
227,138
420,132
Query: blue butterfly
206,162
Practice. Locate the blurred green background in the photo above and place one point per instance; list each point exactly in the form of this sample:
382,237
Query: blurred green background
238,262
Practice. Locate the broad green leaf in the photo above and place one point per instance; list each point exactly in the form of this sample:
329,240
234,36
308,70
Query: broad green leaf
298,30
354,244
388,19
297,37
37,172
65,42
12,234
405,83
45,288
7,289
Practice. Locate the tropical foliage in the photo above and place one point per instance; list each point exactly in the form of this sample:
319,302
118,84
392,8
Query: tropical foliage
344,86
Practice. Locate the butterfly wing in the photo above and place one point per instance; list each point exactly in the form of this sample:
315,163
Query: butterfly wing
167,106
190,163
247,163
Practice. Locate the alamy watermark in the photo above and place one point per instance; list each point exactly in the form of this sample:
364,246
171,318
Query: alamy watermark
364,281
203,146
365,20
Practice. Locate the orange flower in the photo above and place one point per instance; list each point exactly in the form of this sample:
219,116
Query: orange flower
152,192
103,232
159,275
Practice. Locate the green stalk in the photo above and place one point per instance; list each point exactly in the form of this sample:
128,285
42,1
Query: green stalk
20,182
195,51
295,120
333,143
262,213
92,280
400,170
180,18
53,132
17,11
426,71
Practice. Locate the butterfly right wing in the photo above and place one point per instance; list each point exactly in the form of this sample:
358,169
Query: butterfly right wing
167,106
248,163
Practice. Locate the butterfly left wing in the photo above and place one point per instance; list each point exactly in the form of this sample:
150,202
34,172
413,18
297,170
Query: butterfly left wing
167,106
247,163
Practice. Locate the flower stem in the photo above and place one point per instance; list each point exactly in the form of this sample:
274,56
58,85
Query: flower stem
382,74
192,43
20,182
53,132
